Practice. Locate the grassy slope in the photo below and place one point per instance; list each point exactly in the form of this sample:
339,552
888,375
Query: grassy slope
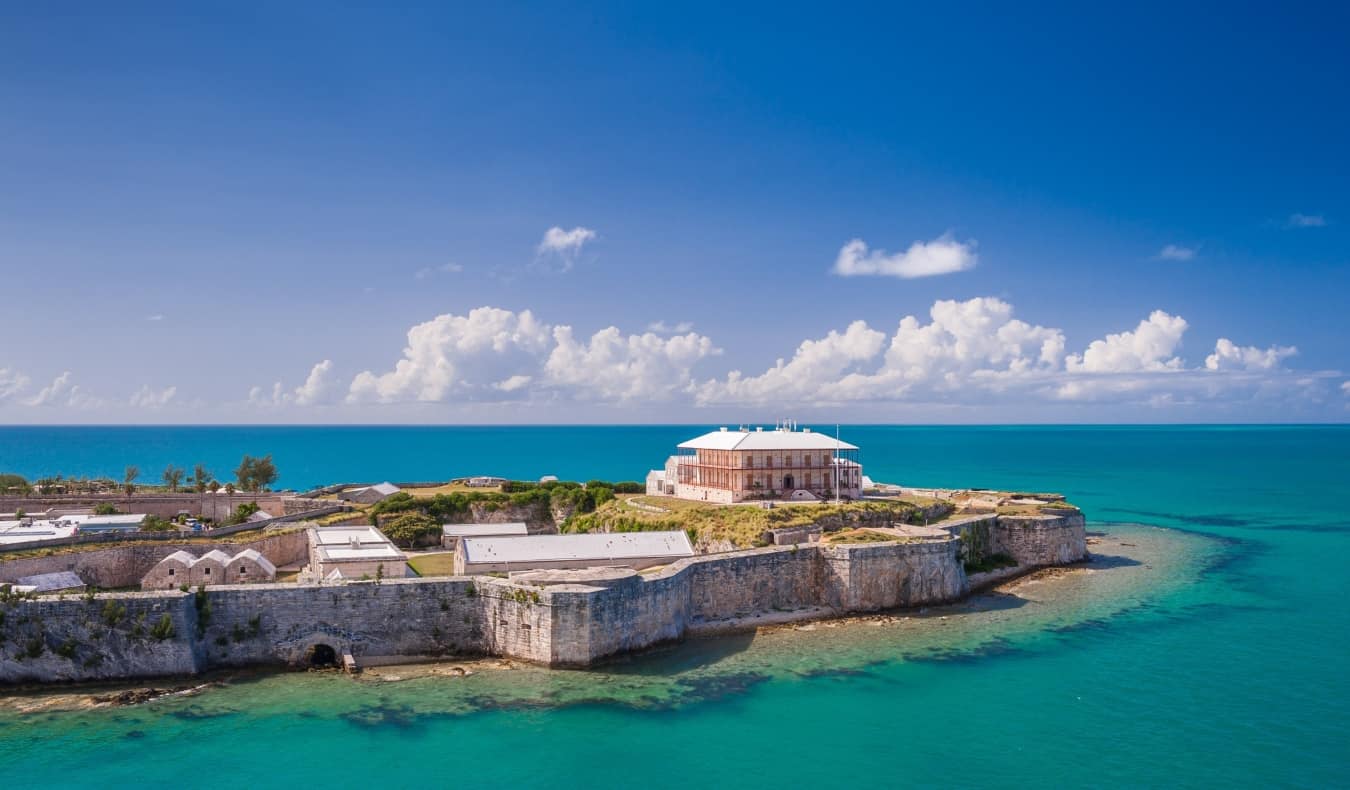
741,525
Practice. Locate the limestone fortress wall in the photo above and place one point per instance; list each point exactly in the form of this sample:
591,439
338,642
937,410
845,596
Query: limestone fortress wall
566,618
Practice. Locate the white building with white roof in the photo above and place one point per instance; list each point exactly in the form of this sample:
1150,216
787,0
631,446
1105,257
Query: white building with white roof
357,552
729,466
451,533
635,550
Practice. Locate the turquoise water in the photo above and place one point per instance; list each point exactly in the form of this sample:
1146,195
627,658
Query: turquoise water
1217,655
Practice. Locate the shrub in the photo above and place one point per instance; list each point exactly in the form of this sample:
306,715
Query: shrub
114,612
164,628
105,509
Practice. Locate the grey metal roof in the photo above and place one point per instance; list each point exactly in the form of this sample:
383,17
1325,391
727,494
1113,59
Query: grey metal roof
485,530
592,546
49,582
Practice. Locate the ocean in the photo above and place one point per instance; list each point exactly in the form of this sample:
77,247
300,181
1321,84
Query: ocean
1208,646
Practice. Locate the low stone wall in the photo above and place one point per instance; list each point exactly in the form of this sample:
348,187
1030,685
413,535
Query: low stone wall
124,566
558,618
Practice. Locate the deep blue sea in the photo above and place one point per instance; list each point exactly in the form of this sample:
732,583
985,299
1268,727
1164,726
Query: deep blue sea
1213,650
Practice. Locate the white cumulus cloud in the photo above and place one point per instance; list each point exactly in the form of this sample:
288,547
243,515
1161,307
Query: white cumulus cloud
63,391
663,328
1305,221
564,245
12,382
1230,356
1151,346
457,354
1176,252
147,398
617,367
943,255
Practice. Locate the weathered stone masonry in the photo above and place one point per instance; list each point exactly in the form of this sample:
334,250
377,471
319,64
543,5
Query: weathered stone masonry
555,618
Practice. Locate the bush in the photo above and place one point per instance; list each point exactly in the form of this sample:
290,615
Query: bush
163,629
105,509
156,524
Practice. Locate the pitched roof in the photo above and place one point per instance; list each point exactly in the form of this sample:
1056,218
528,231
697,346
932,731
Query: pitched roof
180,556
592,546
256,556
217,555
723,439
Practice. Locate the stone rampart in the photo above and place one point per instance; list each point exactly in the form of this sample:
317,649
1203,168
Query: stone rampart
556,618
1042,540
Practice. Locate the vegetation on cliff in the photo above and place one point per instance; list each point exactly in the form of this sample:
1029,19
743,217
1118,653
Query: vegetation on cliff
743,526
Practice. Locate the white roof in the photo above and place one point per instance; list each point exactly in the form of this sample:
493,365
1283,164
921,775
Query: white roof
180,556
615,546
256,556
336,543
362,553
342,536
386,488
485,530
765,440
114,520
217,555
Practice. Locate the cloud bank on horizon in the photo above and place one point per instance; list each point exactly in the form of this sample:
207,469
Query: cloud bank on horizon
965,354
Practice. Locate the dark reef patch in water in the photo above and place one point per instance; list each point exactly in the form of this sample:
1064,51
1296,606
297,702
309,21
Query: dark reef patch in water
1199,520
198,713
383,715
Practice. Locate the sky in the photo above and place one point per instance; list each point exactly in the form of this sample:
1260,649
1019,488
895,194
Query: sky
395,213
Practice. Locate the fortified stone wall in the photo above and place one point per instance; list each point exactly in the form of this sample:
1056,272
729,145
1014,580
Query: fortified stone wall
1042,540
563,624
208,505
109,637
125,566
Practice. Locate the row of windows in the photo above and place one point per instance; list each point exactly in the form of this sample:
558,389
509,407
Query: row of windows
765,460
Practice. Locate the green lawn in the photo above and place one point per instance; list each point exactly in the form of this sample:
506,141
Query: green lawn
442,564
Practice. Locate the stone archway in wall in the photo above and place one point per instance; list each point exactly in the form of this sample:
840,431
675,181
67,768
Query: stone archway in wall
789,483
318,650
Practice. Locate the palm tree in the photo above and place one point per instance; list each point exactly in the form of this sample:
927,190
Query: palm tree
200,478
173,475
129,479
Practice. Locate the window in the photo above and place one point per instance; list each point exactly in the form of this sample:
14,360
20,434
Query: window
171,571
208,571
242,570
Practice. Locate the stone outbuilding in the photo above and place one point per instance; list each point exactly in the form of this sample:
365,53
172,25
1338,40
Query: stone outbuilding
369,495
249,565
214,567
210,568
173,571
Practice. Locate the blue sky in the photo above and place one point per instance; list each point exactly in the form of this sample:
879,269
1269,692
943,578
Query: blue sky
243,213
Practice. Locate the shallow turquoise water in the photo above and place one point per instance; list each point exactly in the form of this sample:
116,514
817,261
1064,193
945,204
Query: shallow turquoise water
1222,661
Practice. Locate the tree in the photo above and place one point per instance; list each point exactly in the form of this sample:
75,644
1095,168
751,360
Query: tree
213,486
105,509
242,513
129,479
173,476
200,478
255,474
154,523
408,528
13,484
